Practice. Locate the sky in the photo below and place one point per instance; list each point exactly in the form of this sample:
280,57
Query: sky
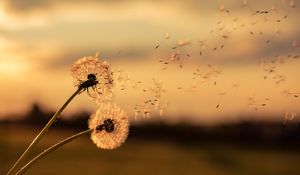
211,61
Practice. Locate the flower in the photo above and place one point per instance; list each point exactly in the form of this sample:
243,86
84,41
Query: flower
89,72
110,126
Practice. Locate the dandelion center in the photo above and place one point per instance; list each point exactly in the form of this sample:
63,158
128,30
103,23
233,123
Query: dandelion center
90,82
93,79
108,125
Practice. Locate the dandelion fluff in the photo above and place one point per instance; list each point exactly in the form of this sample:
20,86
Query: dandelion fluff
87,67
110,126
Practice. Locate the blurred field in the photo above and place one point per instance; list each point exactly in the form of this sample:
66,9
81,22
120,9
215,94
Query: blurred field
142,156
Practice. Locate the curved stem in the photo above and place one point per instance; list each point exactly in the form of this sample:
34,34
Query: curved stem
49,150
42,132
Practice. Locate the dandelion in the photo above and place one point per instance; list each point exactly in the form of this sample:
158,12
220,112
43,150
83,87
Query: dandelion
154,103
221,8
110,126
289,93
109,123
167,36
245,2
89,72
288,117
295,44
292,4
252,102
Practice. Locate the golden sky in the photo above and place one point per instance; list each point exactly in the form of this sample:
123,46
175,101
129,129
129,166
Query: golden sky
237,57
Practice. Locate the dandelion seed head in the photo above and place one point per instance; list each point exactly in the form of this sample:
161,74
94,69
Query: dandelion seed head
295,44
110,126
90,67
292,4
221,8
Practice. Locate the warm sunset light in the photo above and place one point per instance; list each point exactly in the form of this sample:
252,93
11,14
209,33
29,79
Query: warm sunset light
48,38
187,63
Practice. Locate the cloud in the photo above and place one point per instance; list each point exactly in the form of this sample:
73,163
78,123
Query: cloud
134,30
67,57
27,5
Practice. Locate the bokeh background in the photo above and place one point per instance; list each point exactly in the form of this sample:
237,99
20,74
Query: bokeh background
226,73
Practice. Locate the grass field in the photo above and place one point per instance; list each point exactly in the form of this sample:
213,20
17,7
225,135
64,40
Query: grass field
146,157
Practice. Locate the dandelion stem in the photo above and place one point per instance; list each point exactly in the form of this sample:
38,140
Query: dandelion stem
49,150
43,132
